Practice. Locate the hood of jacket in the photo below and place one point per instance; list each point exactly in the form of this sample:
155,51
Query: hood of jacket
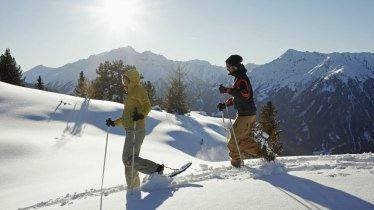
133,76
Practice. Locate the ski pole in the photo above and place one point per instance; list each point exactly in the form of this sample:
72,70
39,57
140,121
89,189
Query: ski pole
133,158
102,177
236,142
224,125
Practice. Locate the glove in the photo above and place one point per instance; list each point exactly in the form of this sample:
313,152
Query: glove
221,106
137,116
110,122
223,89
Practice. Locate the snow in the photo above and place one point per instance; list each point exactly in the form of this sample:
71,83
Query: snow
306,109
156,182
320,108
52,148
296,70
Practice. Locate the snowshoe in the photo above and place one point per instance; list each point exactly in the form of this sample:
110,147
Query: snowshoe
180,170
262,139
267,154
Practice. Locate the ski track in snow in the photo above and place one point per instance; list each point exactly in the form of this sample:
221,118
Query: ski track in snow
253,169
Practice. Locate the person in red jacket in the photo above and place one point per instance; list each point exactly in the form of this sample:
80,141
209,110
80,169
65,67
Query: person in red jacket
243,102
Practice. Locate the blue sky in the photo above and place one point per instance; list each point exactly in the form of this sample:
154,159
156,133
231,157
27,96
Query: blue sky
56,32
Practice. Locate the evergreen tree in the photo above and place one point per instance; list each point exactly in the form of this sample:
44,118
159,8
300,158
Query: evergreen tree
9,71
108,84
151,91
101,85
81,89
40,85
269,124
176,97
90,89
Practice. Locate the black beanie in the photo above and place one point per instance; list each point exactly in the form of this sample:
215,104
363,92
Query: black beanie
234,60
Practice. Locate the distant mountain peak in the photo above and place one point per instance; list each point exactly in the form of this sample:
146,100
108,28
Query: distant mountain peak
152,54
290,53
41,66
128,48
148,52
198,61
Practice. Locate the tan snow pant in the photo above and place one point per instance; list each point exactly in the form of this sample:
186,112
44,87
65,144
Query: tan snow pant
248,147
140,165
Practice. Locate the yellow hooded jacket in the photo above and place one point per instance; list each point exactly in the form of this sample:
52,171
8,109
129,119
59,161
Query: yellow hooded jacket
137,97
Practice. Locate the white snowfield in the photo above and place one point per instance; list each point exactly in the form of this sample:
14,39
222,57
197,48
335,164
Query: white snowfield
52,149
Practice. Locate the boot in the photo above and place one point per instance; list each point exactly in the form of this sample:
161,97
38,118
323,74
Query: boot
267,154
160,169
236,163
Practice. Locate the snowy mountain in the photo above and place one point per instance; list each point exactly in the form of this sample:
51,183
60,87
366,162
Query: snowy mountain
325,101
297,70
154,67
52,148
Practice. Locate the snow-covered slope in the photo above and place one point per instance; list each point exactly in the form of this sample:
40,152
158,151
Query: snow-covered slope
52,147
46,146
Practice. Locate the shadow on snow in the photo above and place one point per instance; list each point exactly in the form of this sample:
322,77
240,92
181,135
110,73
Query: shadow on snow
196,138
314,193
81,114
154,199
77,116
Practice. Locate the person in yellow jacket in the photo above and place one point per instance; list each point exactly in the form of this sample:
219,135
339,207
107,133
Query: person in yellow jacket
137,106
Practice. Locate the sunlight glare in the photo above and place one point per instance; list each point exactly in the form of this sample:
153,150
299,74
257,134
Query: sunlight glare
119,16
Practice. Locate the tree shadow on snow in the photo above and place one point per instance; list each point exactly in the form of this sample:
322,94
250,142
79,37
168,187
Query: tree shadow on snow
314,193
192,140
154,199
77,116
